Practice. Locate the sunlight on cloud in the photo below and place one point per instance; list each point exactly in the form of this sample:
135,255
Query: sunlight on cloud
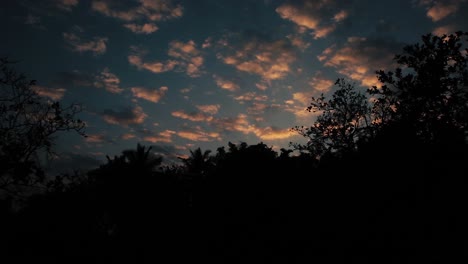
321,84
146,28
95,138
194,117
125,117
359,58
313,15
189,56
270,60
66,5
52,93
97,45
443,30
108,81
148,10
164,136
127,136
198,134
149,94
209,109
438,10
225,84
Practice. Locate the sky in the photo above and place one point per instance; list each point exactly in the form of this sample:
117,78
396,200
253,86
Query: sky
178,75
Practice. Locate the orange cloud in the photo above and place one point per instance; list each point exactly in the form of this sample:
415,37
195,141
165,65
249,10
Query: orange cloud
127,136
359,58
251,96
108,81
188,55
66,5
97,45
125,117
164,136
438,10
313,15
270,60
152,10
319,83
53,93
271,133
194,117
209,109
225,84
444,30
150,95
95,138
146,28
197,134
155,67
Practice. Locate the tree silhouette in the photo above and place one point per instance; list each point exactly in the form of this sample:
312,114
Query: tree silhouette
343,121
198,162
28,124
428,92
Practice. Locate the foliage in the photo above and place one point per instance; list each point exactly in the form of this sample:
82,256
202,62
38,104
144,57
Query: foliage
343,121
28,125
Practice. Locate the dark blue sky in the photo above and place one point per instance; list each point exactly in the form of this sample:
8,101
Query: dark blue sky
178,75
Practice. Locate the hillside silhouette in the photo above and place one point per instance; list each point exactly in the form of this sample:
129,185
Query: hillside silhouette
381,179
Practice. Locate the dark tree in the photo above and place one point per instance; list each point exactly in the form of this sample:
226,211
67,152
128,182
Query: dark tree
28,125
344,120
428,92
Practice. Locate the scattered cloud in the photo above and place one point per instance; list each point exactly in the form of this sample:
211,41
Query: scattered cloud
438,10
320,83
209,109
96,45
359,58
444,30
146,28
198,134
194,116
185,56
319,16
147,11
251,96
125,117
149,94
108,81
127,136
270,60
225,84
52,93
164,136
66,5
261,86
95,138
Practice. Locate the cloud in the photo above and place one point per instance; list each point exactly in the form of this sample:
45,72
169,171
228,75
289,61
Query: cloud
438,10
198,134
146,28
154,66
66,5
148,11
95,138
185,56
225,84
164,136
261,86
320,83
209,109
53,93
270,60
125,117
251,96
194,116
97,45
127,136
359,58
188,55
444,30
241,124
320,16
150,95
108,81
